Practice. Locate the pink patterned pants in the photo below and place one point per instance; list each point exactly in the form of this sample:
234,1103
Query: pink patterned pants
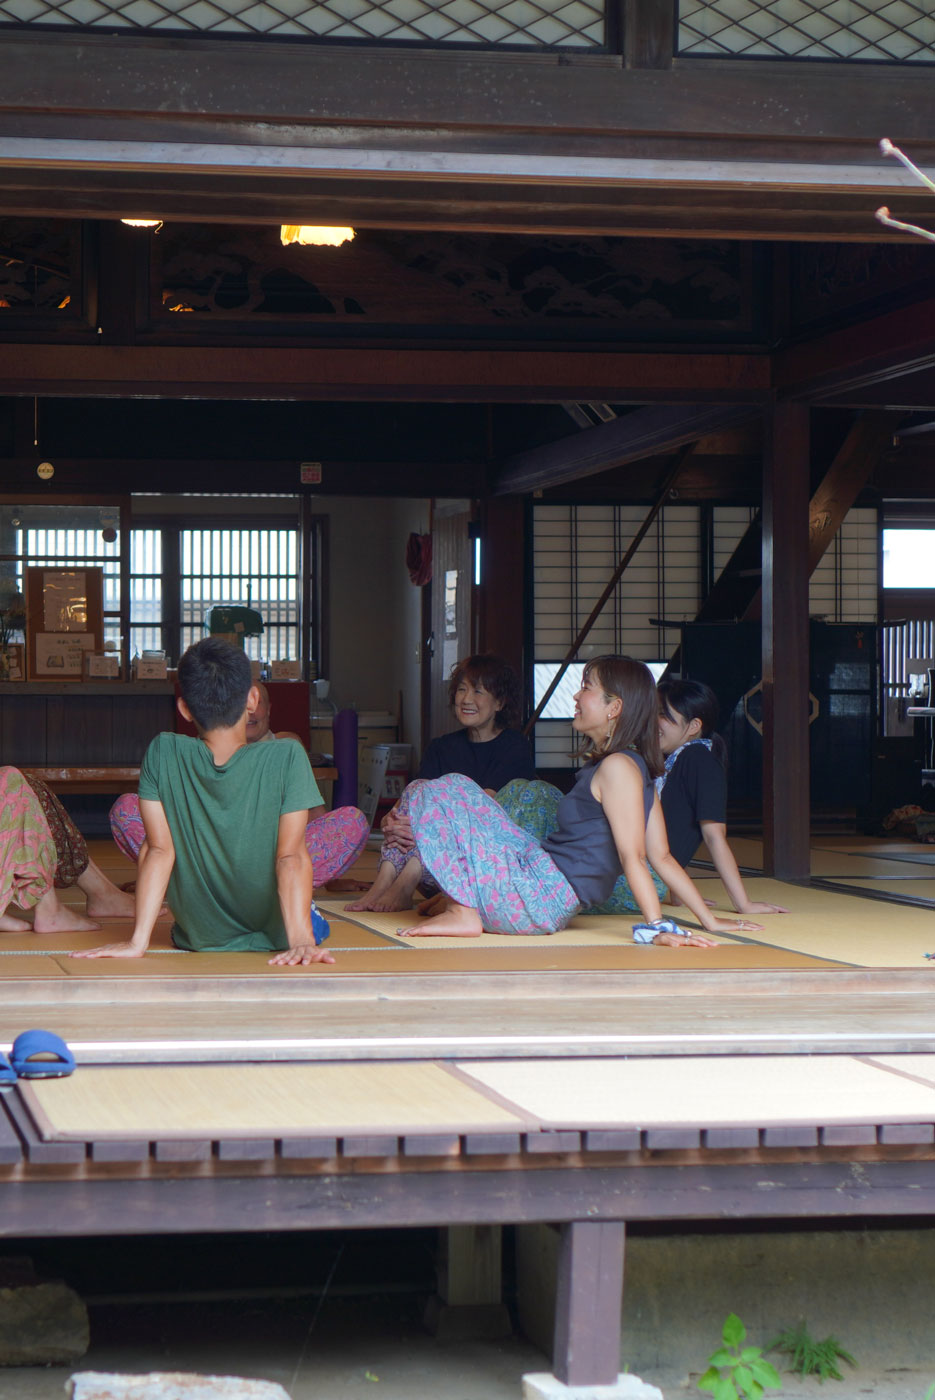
334,840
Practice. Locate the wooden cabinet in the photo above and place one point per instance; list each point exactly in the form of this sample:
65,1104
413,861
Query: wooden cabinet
43,724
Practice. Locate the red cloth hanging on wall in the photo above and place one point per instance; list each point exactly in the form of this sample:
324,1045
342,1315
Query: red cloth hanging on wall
419,559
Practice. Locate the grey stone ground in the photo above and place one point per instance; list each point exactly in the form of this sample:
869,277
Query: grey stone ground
872,1287
360,1349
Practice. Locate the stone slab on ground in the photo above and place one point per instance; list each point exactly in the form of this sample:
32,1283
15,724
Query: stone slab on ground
169,1385
542,1385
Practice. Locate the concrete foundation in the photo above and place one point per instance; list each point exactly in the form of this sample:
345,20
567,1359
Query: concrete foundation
544,1386
872,1289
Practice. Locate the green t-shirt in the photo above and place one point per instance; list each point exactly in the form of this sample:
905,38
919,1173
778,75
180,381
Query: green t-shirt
225,825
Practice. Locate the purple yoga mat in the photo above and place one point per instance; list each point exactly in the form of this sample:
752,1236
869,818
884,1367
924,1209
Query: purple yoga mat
345,758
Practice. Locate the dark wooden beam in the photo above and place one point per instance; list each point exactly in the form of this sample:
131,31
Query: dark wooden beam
110,1204
853,465
910,393
648,33
501,609
537,141
589,1292
149,76
385,374
711,478
670,200
786,802
642,433
878,351
95,474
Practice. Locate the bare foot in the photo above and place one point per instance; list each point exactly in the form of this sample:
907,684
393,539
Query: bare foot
114,906
386,876
8,924
64,920
50,916
104,899
458,921
391,892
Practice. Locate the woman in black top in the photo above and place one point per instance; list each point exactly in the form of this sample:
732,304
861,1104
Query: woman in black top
693,787
484,695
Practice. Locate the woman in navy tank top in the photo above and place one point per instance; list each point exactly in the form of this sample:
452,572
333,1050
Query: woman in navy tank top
500,879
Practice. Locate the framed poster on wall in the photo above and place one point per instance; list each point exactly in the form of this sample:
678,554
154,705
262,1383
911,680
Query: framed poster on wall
64,619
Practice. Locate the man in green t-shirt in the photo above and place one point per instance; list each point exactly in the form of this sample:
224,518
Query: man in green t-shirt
225,826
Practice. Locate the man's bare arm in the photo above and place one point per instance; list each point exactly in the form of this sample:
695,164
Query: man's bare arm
156,861
294,880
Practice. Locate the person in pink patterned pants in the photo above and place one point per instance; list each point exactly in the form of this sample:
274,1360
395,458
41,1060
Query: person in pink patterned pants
333,840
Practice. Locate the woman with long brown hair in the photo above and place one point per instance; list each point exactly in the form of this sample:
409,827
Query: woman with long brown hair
498,878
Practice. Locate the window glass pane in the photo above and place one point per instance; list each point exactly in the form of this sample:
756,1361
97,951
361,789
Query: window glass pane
71,536
562,702
909,559
251,568
146,631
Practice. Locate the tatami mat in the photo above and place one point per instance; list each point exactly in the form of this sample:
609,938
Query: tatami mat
723,1091
398,961
834,864
828,924
914,889
923,855
30,965
343,936
871,845
261,1101
584,931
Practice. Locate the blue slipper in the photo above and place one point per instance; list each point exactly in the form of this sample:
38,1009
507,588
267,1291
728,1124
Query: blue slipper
7,1074
43,1043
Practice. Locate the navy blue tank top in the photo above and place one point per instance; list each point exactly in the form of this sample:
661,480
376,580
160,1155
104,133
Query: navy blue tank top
582,845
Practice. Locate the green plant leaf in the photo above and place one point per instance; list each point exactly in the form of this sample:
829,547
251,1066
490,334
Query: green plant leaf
710,1378
734,1331
725,1389
743,1379
722,1357
766,1374
750,1354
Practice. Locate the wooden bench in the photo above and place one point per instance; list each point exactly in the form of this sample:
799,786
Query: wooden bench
108,779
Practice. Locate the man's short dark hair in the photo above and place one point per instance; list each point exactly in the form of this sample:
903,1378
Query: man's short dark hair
215,680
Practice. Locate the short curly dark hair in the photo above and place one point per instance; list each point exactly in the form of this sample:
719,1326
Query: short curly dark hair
498,678
214,681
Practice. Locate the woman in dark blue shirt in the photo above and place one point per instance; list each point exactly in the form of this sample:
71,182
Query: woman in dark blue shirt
484,695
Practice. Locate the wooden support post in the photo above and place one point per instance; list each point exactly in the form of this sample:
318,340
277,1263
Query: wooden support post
501,592
469,1304
588,1301
470,1265
786,799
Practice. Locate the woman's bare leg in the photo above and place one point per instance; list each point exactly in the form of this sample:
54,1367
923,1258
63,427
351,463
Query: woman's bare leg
105,901
391,891
53,917
458,921
386,874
